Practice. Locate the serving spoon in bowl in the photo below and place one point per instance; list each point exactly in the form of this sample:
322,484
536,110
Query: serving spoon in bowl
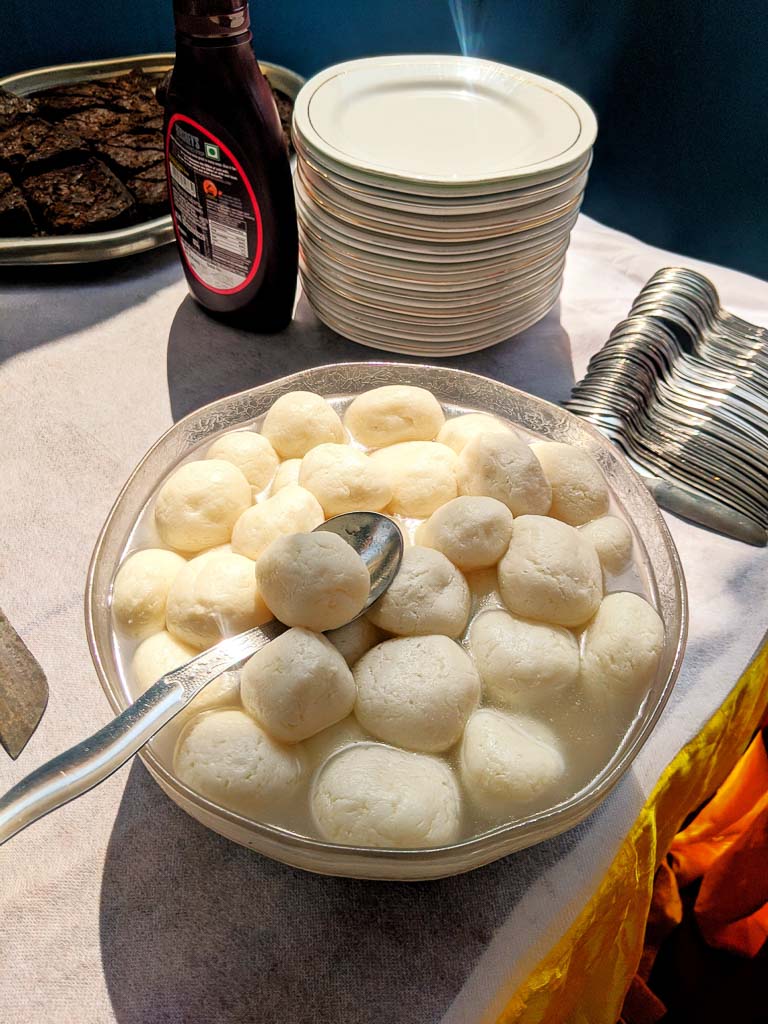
379,543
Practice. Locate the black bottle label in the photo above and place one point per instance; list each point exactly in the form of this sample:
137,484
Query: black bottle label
215,212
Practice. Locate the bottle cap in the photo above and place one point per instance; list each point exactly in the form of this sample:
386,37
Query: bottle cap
211,18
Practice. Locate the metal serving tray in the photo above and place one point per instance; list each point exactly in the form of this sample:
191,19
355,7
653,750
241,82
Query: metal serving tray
106,245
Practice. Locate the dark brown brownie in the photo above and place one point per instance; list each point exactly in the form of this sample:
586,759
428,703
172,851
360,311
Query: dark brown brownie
61,100
13,108
285,110
59,147
131,152
135,80
15,218
134,93
20,141
152,124
130,93
98,123
87,197
150,190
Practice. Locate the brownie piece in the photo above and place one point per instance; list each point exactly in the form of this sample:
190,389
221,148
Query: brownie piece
131,152
150,190
13,108
126,94
99,123
61,100
134,93
285,110
161,90
20,141
135,81
86,197
152,124
59,147
15,218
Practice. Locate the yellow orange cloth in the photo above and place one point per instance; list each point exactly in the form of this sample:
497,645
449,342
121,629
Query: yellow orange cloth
587,974
726,845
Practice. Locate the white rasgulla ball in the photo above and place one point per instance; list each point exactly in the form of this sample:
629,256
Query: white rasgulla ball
422,475
292,510
579,490
522,662
315,580
416,692
355,639
502,466
319,747
198,505
344,479
395,413
612,540
141,590
509,761
227,757
160,654
300,420
474,532
215,596
550,573
297,685
253,455
374,795
428,595
157,655
287,473
621,648
459,431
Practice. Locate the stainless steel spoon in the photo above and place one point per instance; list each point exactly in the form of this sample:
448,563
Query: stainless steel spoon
379,543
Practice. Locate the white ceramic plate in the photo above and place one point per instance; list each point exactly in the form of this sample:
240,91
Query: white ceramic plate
443,120
408,224
422,284
394,341
465,304
430,303
453,276
429,241
443,205
322,217
389,325
456,193
320,225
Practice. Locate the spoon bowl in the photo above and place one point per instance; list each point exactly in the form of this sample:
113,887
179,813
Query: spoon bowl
378,541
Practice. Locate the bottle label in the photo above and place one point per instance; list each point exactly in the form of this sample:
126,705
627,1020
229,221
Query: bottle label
215,212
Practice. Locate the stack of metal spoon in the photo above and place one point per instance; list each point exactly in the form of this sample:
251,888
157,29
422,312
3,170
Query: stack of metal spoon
681,386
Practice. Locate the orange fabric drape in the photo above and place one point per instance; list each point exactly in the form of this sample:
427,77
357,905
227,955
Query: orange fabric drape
586,975
726,845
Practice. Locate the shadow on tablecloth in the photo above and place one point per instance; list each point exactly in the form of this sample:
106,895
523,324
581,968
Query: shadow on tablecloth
37,302
207,360
197,930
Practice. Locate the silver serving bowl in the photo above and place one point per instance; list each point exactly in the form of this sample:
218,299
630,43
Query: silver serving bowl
454,388
106,245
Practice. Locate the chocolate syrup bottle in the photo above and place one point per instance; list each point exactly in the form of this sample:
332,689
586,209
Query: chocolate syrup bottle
229,177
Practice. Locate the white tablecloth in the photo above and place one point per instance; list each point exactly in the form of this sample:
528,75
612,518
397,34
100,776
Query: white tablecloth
120,907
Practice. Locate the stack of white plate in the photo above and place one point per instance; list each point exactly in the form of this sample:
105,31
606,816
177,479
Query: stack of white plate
436,196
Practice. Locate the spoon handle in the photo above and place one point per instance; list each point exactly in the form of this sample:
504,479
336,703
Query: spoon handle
85,765
707,512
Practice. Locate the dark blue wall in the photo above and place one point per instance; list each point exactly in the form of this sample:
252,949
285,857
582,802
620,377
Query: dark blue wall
680,87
